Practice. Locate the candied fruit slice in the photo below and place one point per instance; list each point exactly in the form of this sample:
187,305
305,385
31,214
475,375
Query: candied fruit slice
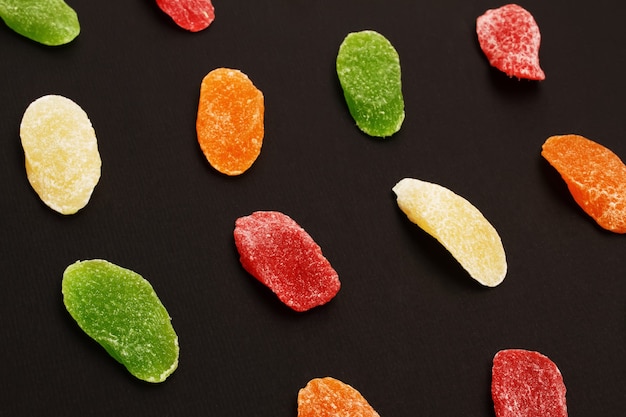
230,123
457,225
595,176
120,310
61,153
193,15
510,38
527,384
368,68
50,22
275,250
329,397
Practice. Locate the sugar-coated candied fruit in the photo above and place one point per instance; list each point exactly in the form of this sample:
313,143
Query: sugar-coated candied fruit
330,397
595,177
192,15
368,67
527,384
49,22
278,252
230,122
510,38
61,153
120,310
458,225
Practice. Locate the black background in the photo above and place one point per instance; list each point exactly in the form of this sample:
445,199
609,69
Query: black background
409,329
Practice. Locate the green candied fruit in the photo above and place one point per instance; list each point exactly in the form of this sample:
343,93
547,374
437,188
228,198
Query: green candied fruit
120,310
368,68
50,22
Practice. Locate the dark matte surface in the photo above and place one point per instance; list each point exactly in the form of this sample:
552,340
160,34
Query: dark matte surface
409,329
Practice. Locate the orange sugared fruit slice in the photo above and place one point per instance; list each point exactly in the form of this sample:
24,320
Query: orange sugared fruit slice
329,397
595,176
230,122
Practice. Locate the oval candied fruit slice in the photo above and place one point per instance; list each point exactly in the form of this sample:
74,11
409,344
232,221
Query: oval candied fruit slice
510,38
527,383
120,310
230,123
368,67
61,152
595,176
50,22
457,225
275,250
329,397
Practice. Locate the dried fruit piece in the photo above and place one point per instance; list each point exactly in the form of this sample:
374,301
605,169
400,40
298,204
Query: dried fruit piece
329,397
50,22
457,225
368,68
193,15
61,152
594,175
120,310
230,123
510,38
282,255
527,384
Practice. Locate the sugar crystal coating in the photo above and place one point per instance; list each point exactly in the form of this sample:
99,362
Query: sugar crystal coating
61,153
368,67
120,310
50,22
329,397
510,39
457,225
274,249
527,384
595,176
230,122
193,15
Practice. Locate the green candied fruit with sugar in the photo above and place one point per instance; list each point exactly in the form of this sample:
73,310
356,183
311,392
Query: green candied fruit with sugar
368,68
50,22
120,310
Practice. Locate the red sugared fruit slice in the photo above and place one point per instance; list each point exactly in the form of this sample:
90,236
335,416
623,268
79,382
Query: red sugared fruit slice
595,176
510,38
526,384
193,15
282,255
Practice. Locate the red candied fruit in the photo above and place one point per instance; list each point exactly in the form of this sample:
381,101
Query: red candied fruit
510,38
193,15
527,384
283,256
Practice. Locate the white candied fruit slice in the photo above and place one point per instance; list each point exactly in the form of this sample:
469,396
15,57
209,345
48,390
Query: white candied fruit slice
61,152
457,225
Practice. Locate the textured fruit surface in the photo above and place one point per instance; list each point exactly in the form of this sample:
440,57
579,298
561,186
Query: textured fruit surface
595,176
368,68
457,225
230,123
527,384
510,38
50,22
61,153
193,15
274,249
120,310
329,397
